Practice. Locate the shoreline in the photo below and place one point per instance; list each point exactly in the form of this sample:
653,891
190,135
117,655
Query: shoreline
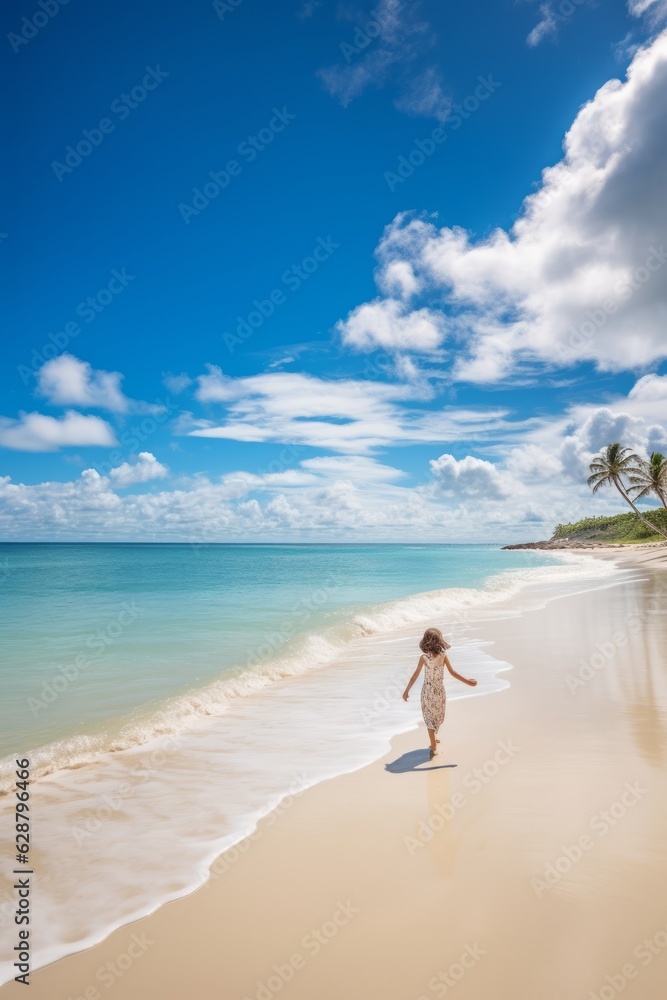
293,655
563,544
405,739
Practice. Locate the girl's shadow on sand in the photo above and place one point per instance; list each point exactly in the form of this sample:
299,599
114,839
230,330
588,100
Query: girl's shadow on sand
410,762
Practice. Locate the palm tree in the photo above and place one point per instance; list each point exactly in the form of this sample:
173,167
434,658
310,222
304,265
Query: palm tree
609,468
650,477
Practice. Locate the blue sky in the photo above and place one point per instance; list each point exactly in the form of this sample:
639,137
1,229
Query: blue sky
411,353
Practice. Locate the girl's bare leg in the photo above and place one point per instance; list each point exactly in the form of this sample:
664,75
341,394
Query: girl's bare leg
432,740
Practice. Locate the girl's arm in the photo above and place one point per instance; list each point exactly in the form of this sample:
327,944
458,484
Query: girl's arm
472,682
413,678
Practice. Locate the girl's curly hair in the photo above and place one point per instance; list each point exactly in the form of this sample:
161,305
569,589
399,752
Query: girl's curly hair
433,642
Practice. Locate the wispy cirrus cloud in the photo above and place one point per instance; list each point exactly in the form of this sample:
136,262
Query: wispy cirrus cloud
654,10
382,49
545,27
425,97
349,416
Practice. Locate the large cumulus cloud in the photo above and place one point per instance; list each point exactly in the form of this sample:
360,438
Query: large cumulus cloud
582,275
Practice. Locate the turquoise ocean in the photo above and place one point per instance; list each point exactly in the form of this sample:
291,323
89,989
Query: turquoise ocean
169,696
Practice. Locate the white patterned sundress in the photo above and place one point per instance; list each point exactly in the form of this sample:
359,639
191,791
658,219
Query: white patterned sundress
433,691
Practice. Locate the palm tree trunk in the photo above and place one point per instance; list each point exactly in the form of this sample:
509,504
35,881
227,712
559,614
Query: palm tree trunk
639,514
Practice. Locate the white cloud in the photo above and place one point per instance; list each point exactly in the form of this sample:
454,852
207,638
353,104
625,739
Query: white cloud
656,439
282,361
380,40
545,26
215,386
655,10
533,462
470,477
581,275
344,415
353,467
650,389
67,381
38,432
335,510
145,468
398,279
561,447
388,324
424,97
384,45
600,428
537,478
234,485
290,479
176,383
312,473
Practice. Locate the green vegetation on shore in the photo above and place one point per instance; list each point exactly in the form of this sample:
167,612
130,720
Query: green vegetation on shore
635,478
619,528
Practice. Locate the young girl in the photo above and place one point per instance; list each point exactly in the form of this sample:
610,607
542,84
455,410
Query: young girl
434,659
